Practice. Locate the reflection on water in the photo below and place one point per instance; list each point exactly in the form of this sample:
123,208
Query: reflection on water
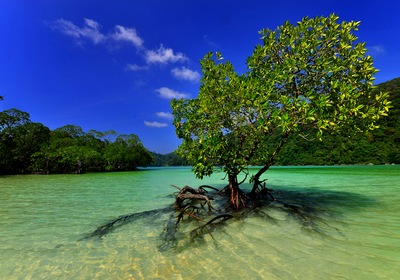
344,225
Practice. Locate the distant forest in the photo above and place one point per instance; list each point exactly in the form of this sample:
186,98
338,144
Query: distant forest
28,147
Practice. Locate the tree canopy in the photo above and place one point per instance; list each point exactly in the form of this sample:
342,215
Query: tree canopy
314,74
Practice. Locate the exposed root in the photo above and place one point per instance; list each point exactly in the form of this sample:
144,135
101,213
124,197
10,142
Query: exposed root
176,187
194,197
203,187
224,190
238,197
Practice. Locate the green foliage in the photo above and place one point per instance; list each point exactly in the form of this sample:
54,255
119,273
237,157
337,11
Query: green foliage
125,153
19,139
314,76
70,150
73,151
380,146
12,118
27,147
170,159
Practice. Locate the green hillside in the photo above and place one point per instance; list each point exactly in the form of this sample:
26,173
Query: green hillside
380,146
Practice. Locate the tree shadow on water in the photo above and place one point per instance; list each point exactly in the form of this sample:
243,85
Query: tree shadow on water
316,211
319,199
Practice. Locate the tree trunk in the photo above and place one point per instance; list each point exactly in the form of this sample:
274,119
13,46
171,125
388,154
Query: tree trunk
237,195
256,178
271,160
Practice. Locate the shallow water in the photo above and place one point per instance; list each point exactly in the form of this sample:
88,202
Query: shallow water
351,231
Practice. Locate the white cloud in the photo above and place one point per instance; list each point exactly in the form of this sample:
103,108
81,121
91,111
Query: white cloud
186,74
377,49
155,124
164,55
90,30
211,43
135,67
170,93
165,115
127,34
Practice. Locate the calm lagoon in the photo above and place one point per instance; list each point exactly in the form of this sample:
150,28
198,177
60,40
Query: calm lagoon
354,232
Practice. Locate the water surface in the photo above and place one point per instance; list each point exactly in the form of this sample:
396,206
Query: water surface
352,230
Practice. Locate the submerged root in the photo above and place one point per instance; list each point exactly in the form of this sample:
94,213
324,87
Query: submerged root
200,222
260,191
122,220
189,210
209,226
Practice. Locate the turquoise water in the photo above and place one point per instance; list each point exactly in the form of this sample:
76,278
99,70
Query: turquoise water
352,231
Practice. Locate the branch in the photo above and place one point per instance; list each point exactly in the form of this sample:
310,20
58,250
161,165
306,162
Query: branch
305,137
176,187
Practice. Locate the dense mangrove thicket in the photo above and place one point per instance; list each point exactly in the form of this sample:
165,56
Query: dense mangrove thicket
29,147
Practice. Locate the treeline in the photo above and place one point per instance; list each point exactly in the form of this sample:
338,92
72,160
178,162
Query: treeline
29,147
170,159
380,146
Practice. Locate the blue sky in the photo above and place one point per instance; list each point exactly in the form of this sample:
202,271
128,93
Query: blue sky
116,64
